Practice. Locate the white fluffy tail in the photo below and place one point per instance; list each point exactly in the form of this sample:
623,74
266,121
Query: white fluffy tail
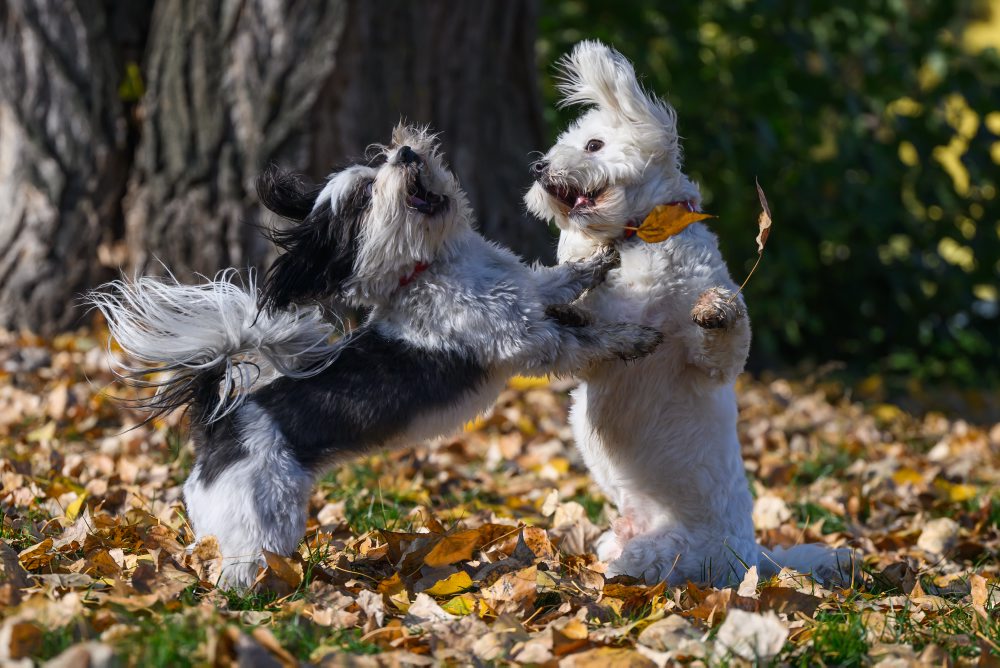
840,567
211,341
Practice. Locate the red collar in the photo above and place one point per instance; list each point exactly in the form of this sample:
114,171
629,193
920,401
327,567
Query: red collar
632,227
418,269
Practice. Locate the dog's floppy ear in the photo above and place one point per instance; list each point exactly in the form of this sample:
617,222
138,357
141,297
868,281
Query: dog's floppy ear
596,75
318,256
285,193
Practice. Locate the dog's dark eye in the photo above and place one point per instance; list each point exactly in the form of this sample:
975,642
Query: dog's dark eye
368,188
594,145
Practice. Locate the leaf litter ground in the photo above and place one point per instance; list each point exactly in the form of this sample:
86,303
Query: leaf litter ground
477,548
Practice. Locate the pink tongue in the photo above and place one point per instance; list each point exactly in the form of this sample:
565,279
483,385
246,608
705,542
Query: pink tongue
415,201
582,200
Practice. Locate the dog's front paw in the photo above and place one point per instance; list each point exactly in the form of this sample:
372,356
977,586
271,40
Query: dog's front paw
601,262
717,309
640,341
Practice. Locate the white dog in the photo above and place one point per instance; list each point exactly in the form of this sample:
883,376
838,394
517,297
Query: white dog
659,435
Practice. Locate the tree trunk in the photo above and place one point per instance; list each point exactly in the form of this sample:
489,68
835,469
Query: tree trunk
63,154
231,84
465,68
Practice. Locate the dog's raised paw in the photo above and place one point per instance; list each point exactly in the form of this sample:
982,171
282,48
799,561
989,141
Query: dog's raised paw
716,309
643,341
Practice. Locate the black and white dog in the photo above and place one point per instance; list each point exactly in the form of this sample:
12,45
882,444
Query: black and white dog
274,400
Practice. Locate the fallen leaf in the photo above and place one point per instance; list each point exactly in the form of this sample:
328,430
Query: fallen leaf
752,636
515,590
980,595
748,587
788,601
463,545
608,656
37,555
73,509
452,584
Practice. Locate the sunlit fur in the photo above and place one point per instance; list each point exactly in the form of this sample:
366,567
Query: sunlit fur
451,317
659,436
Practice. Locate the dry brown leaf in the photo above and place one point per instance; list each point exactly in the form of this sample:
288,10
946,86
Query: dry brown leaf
712,608
980,595
764,220
513,591
287,569
463,545
37,555
601,657
788,601
666,220
22,638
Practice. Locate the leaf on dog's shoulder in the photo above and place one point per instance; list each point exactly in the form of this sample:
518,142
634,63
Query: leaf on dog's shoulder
764,220
666,220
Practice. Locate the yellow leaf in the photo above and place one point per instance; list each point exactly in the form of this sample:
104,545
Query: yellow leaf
73,509
460,605
44,433
887,412
907,475
522,383
475,424
452,584
957,493
962,492
666,220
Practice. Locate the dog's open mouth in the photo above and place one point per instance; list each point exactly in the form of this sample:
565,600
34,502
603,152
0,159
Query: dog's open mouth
575,199
423,200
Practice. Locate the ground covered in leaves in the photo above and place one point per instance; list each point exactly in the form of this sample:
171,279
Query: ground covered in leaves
476,549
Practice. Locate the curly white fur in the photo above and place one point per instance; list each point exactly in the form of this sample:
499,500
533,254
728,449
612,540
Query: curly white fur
659,436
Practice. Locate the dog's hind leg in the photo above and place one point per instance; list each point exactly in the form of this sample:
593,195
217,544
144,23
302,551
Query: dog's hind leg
248,490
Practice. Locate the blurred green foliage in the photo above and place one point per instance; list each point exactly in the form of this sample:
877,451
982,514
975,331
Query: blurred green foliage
874,129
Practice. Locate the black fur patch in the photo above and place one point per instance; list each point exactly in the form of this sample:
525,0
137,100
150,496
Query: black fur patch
319,253
285,193
217,446
368,396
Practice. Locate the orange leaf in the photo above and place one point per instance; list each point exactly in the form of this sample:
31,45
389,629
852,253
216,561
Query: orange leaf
666,220
462,545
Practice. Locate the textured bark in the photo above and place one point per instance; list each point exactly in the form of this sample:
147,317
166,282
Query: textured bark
63,155
465,68
230,87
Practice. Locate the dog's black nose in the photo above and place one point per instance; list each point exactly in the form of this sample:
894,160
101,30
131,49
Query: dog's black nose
407,156
538,168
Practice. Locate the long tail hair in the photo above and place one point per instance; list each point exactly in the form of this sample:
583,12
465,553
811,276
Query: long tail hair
208,345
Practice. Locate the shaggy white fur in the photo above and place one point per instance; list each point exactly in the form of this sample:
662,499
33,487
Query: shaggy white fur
658,435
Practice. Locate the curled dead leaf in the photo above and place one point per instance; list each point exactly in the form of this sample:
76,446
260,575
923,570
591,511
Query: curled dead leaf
763,220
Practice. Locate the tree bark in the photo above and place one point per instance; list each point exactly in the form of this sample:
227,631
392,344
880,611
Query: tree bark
465,68
63,155
231,84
